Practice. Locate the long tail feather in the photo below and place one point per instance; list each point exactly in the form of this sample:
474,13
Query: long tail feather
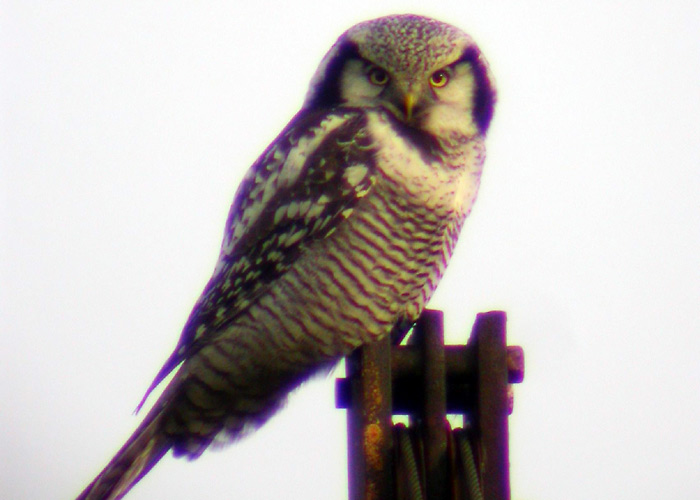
142,451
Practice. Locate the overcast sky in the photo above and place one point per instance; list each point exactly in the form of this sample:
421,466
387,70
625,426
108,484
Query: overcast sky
126,127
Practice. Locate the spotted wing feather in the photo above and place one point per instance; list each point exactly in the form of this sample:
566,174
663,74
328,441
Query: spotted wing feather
302,186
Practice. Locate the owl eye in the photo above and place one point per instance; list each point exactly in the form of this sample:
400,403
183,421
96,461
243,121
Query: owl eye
378,76
439,78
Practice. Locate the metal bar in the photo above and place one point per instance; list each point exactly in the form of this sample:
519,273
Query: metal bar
369,422
460,362
460,365
354,422
430,336
492,414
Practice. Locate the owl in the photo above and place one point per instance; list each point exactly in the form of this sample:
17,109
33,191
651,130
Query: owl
337,237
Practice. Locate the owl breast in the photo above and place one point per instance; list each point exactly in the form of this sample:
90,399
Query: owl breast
383,262
379,266
444,179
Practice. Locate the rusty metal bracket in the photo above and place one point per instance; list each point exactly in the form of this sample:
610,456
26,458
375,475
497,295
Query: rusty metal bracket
428,380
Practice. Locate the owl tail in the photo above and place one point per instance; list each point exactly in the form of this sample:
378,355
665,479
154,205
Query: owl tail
142,451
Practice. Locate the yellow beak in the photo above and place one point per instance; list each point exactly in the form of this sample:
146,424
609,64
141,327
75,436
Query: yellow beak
409,103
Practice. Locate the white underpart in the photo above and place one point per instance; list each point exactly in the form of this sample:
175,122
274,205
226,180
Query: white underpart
441,188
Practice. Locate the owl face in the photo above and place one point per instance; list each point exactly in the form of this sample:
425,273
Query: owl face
427,74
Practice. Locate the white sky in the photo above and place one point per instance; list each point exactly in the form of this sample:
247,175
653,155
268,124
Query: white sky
126,127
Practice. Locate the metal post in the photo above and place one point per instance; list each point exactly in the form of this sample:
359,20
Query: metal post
430,337
369,422
492,414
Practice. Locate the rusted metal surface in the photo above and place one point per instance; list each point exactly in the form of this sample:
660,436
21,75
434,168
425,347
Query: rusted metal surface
428,334
515,361
369,423
407,364
427,380
489,334
460,362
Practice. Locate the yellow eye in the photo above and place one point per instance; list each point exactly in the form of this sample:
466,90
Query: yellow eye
378,76
439,78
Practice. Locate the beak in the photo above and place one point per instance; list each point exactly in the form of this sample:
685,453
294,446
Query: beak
409,103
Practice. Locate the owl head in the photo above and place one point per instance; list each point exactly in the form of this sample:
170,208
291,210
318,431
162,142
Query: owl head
414,67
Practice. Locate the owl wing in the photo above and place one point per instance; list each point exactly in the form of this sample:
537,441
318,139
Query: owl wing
306,182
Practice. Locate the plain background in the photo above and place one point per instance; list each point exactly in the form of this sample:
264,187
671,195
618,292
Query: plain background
126,127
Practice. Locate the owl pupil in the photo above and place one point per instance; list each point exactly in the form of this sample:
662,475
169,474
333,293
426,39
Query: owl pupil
378,76
439,79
